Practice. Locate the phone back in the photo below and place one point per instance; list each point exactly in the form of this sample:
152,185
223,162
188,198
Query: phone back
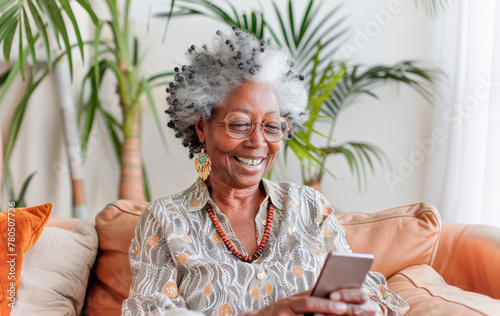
342,270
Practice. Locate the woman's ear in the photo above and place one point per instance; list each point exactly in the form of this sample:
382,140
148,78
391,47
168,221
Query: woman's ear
200,130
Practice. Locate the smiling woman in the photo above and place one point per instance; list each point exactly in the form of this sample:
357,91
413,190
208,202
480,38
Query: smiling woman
233,105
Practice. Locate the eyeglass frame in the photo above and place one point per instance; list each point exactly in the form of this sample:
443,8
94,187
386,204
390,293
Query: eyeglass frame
230,115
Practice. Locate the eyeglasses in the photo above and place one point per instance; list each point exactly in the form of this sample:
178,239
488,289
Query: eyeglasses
240,125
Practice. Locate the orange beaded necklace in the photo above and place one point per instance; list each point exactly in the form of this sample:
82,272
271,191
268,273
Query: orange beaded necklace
228,243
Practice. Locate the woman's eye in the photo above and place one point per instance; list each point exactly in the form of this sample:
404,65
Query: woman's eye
273,128
239,126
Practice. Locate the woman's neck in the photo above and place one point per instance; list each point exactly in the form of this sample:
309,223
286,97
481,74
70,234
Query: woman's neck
236,202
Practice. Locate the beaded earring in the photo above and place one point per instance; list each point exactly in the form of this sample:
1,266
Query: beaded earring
203,165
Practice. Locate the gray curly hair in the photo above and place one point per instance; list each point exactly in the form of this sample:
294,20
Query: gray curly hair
214,71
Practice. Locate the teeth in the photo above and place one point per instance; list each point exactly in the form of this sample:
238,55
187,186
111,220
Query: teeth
249,162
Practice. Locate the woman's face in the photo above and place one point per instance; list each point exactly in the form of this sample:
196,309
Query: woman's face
229,155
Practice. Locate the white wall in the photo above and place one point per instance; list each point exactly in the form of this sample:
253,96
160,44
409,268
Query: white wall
395,123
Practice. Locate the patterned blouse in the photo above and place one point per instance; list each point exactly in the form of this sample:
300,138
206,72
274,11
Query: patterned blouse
179,261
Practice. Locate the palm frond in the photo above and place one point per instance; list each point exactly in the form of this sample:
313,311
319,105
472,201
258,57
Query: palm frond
112,126
94,102
252,21
359,82
15,17
4,76
149,95
15,126
19,201
302,41
433,8
358,156
145,182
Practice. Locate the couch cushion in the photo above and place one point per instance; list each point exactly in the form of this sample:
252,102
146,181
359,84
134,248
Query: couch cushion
111,283
427,294
20,229
56,271
398,237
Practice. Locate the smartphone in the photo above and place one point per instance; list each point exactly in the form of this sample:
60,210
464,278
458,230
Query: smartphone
342,270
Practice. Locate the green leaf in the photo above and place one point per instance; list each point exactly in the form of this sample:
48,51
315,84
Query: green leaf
305,20
353,164
135,55
66,7
160,75
41,28
8,80
223,14
364,153
16,123
94,102
254,23
29,38
5,4
355,84
236,16
86,5
20,201
433,7
151,102
292,23
312,36
145,181
283,29
7,31
53,12
4,76
89,119
246,26
361,149
96,64
262,26
21,51
169,17
111,123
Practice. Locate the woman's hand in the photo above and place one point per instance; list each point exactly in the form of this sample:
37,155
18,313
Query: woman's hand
356,302
342,302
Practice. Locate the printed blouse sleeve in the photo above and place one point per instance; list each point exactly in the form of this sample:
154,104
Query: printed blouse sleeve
154,288
386,301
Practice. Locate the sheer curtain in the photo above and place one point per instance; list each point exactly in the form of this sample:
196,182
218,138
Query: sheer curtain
463,178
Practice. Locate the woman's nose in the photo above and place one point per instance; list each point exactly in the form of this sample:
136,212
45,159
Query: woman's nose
256,137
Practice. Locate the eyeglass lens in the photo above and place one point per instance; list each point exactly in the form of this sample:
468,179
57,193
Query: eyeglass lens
239,126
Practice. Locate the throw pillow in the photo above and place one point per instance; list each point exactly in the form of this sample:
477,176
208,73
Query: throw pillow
20,228
56,271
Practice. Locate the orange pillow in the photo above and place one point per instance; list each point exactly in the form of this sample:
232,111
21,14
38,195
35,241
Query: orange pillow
20,228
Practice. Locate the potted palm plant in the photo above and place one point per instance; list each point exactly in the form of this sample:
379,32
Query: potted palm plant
34,22
28,23
313,39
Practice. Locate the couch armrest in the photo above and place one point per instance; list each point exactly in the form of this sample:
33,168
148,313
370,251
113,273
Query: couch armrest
468,257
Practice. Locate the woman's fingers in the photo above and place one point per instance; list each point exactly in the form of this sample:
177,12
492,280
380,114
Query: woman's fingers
354,309
355,296
305,293
343,302
303,305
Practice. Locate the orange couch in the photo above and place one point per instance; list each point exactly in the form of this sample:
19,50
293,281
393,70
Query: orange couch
438,269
